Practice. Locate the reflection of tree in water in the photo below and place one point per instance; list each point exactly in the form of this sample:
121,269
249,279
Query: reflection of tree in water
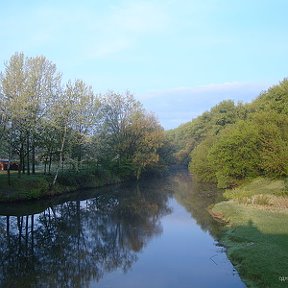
196,197
70,244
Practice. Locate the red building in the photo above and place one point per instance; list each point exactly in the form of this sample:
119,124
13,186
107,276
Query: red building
4,165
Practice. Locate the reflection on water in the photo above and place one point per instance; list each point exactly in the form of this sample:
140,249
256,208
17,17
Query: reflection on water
69,244
77,240
196,197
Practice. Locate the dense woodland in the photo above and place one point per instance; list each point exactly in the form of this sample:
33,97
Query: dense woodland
50,127
233,142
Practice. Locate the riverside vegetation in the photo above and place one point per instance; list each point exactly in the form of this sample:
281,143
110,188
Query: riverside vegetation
243,148
66,137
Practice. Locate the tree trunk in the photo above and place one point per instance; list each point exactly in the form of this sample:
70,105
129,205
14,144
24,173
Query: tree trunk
9,162
79,158
50,162
20,168
60,156
8,174
138,173
28,153
22,160
45,164
33,155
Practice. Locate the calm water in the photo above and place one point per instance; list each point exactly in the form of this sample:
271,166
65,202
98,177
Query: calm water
154,234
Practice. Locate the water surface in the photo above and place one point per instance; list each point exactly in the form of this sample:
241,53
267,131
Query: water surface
154,234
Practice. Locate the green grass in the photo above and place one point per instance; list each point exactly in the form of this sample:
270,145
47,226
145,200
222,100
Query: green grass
26,187
38,186
260,185
256,241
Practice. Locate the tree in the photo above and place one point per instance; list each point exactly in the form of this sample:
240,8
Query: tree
28,87
85,115
43,86
129,137
274,99
15,102
146,138
273,131
72,117
199,164
235,154
189,135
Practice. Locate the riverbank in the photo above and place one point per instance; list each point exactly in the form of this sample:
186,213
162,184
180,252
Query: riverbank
38,186
256,231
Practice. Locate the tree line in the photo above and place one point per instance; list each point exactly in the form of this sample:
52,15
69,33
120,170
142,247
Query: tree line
45,123
236,141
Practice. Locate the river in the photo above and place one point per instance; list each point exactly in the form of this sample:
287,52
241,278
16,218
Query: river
156,233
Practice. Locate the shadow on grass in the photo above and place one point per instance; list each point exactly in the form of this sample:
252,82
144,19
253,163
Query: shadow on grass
261,259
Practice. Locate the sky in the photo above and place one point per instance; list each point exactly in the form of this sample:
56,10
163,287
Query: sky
178,57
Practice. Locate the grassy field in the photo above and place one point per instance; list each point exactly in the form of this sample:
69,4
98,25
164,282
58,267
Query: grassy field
256,234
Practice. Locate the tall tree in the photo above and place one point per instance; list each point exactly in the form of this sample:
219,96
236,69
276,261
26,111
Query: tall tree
28,87
73,117
15,102
43,85
85,106
130,136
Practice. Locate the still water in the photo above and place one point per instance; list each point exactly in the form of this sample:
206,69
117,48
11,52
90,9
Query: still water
154,234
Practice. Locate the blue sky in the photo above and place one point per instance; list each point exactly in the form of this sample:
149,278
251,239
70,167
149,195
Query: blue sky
179,58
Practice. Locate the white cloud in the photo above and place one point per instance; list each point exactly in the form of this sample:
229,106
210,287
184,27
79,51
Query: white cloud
194,92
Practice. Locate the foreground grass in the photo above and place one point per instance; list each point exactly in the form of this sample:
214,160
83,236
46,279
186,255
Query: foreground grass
256,234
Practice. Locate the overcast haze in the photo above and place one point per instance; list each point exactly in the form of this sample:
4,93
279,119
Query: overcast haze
179,58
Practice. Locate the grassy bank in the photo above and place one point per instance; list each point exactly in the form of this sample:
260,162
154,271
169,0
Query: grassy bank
39,186
256,234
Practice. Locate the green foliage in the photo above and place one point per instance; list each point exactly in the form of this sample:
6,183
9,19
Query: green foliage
273,129
274,99
199,164
61,126
234,142
188,136
235,155
129,139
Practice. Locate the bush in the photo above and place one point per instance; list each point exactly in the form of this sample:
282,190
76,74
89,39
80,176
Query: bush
235,154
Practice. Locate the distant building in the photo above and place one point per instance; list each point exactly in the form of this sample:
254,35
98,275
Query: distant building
4,165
